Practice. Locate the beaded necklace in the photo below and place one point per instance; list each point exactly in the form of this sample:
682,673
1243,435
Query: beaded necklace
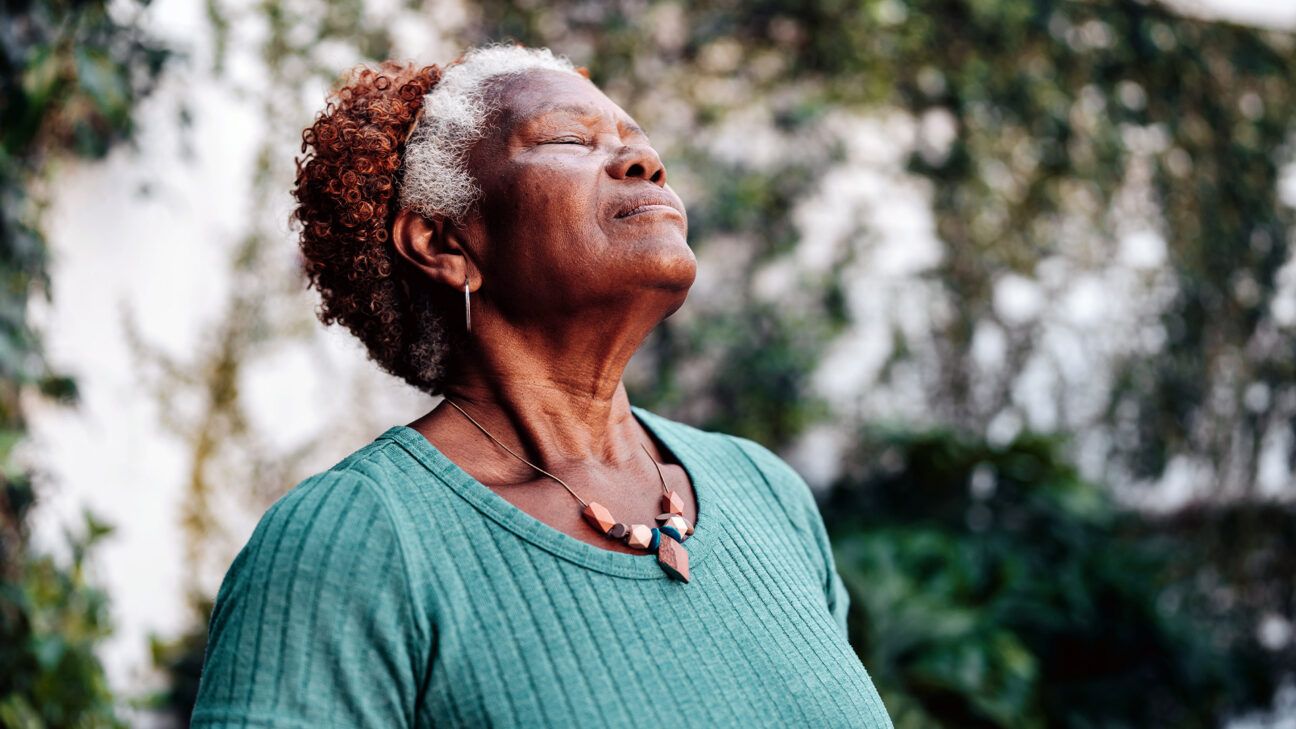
671,555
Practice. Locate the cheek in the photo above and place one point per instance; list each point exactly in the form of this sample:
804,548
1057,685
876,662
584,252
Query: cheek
542,218
564,183
554,199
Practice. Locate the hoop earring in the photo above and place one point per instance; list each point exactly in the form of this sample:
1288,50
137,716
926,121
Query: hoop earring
467,307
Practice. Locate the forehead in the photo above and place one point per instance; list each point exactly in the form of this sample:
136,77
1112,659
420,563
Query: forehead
542,94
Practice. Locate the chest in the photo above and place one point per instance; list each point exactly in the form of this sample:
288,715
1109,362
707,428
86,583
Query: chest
748,642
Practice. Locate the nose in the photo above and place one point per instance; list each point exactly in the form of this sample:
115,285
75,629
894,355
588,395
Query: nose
638,160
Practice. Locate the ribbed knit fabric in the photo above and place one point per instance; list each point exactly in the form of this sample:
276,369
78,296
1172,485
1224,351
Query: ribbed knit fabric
394,590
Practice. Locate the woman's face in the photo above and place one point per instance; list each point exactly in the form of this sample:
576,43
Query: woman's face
575,213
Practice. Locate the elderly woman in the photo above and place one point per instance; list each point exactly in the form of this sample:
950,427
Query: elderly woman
535,551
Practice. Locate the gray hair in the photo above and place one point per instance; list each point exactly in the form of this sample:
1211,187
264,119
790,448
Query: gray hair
435,179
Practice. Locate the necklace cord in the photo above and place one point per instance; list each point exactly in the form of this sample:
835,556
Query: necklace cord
541,470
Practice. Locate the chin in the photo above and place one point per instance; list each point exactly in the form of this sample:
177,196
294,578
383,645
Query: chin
674,266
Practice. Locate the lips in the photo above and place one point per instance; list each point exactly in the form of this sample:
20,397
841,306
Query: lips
646,204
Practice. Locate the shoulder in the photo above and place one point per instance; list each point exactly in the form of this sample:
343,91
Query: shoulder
764,466
803,511
330,523
344,501
788,486
768,462
335,531
359,497
338,501
318,619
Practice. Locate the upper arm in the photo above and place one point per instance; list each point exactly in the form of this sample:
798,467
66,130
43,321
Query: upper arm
315,623
834,587
839,598
799,500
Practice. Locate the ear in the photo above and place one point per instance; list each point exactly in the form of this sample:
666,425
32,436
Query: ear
436,247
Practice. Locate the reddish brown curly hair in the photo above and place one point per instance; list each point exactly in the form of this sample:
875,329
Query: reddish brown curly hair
347,192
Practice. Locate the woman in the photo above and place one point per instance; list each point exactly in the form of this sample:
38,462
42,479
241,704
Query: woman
535,551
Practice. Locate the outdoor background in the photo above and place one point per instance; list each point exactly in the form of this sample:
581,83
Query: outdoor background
1011,283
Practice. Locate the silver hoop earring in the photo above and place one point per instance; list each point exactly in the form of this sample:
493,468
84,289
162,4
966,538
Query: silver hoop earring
467,307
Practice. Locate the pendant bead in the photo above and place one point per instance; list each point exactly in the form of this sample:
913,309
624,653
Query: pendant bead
598,515
673,558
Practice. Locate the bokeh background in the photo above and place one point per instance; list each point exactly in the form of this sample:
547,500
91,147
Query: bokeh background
1009,282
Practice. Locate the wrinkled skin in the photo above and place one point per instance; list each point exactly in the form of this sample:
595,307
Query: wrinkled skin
564,290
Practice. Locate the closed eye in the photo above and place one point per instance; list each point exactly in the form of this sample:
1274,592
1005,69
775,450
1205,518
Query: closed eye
567,140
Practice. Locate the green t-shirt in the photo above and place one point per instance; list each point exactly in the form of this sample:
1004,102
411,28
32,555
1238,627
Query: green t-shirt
394,590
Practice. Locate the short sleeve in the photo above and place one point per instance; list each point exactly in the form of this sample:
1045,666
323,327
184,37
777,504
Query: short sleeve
834,586
803,509
838,597
314,624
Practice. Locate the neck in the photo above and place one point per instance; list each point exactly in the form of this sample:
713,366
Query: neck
553,399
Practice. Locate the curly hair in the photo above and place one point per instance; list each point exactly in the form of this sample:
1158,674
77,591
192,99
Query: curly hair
389,138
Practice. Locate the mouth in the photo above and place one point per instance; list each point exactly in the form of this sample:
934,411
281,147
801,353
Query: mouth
648,208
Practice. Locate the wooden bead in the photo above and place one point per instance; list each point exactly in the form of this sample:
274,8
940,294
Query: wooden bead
665,516
598,515
673,558
618,531
690,529
656,540
681,525
671,532
640,536
672,503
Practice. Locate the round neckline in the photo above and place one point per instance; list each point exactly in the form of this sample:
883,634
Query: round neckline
537,532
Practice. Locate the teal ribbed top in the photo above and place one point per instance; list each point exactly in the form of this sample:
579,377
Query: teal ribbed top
394,590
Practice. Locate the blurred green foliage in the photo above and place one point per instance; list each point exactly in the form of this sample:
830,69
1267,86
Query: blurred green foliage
52,620
70,74
993,587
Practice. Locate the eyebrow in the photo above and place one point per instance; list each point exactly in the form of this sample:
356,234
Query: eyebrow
585,111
